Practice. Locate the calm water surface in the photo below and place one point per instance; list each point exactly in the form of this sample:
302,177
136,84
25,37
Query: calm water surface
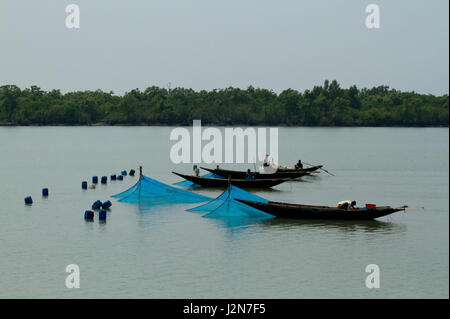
166,252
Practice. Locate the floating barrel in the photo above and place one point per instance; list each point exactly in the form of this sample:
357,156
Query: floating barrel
124,173
120,177
113,177
45,192
106,204
104,179
97,204
89,215
94,179
102,215
84,185
131,173
28,200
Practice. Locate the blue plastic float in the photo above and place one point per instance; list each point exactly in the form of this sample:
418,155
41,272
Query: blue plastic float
102,215
89,215
28,200
106,204
97,204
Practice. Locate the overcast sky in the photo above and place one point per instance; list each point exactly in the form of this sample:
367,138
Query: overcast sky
207,44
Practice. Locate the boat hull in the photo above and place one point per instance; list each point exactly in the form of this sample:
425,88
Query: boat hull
286,210
256,175
307,170
241,183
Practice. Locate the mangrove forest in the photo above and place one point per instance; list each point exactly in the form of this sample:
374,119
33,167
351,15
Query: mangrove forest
326,105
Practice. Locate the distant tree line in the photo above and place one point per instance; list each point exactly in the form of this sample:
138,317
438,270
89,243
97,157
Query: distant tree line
327,105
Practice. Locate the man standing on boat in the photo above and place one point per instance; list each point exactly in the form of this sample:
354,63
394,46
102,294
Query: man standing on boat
268,167
266,161
196,170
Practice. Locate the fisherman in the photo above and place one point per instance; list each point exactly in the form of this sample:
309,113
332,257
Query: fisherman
299,165
346,204
249,175
266,161
196,170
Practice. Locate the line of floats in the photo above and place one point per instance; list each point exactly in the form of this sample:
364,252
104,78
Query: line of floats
101,207
98,205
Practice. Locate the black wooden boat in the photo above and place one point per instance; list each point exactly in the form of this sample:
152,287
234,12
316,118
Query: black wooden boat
286,210
282,169
241,183
256,175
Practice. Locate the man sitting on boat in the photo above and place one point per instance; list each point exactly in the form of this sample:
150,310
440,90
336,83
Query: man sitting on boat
249,175
347,204
299,165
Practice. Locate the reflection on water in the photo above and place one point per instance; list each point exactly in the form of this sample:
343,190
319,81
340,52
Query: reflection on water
237,223
146,208
323,228
349,226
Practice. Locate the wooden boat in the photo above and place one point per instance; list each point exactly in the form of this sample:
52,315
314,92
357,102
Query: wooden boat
256,175
241,183
311,169
286,210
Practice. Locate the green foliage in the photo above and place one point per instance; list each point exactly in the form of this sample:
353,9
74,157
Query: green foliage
327,105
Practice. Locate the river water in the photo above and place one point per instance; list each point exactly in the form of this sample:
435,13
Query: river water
166,252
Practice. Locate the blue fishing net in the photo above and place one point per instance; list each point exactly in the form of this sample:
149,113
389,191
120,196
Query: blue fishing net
190,184
226,206
149,190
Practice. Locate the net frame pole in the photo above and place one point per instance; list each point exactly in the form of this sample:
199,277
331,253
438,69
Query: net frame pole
140,182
